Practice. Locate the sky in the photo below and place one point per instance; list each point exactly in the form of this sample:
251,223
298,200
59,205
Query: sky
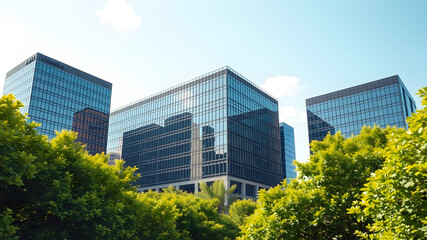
292,49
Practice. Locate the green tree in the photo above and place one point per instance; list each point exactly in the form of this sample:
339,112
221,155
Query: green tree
396,195
241,209
16,164
197,218
56,190
217,191
314,205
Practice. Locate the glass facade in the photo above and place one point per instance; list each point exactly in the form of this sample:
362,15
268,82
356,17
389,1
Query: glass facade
287,144
59,97
254,141
382,102
212,127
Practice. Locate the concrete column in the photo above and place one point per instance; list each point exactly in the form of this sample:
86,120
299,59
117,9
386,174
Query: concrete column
196,187
244,190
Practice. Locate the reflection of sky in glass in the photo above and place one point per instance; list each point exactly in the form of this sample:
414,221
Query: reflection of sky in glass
287,145
254,141
163,147
383,105
53,93
200,147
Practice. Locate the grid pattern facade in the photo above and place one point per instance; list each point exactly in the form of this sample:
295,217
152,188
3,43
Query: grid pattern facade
20,84
382,102
287,144
59,97
254,141
193,132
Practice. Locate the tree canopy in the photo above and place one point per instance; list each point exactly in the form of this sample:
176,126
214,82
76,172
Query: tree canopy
370,186
314,205
241,209
197,218
53,189
217,191
395,196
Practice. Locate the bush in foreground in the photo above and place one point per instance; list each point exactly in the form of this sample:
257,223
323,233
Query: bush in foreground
314,205
370,186
395,197
197,218
56,190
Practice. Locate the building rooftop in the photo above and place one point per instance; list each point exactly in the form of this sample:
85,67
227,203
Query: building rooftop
192,82
62,66
353,90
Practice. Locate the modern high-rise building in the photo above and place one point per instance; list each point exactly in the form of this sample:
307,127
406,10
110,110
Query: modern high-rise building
219,126
287,146
382,102
62,97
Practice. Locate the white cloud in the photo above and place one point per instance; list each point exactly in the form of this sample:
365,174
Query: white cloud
119,15
281,86
291,115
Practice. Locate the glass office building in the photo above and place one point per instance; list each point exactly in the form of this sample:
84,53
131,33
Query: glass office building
382,102
62,97
218,126
287,150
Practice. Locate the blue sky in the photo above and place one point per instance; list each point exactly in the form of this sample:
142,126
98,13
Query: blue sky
293,49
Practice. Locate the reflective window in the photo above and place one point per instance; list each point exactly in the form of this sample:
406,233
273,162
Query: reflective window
381,104
177,135
59,99
188,132
287,143
254,141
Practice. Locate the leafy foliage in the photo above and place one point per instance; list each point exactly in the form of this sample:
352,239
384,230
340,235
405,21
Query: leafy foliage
217,191
314,205
241,209
197,218
56,190
396,195
16,136
373,184
7,229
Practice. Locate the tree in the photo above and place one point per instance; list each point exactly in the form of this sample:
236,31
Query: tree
17,165
217,191
395,197
241,209
314,205
197,218
56,190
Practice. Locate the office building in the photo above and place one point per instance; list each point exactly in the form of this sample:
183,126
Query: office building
287,150
219,126
59,96
382,102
